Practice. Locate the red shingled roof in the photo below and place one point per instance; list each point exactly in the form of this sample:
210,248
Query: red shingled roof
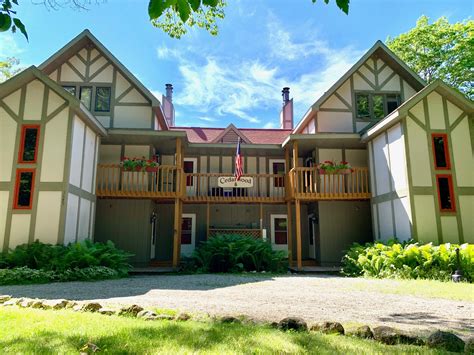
255,135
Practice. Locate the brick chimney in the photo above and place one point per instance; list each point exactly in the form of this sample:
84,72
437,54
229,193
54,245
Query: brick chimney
167,103
286,114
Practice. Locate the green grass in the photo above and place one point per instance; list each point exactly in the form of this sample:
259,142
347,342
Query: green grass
424,288
42,332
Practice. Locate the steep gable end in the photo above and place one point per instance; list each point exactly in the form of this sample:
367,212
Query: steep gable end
231,135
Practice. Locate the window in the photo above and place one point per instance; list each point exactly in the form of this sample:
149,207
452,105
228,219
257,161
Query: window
375,106
29,144
102,99
70,89
188,166
24,185
445,193
85,96
439,143
186,230
278,168
281,234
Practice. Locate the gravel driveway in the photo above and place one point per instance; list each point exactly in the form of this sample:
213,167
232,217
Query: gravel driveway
314,298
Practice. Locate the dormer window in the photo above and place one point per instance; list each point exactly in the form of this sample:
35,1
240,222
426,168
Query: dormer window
375,106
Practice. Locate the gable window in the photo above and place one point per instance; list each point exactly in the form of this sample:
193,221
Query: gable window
85,95
445,193
29,144
102,99
70,89
25,179
439,142
374,105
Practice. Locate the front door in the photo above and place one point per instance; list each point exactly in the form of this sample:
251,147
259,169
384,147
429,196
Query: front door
190,167
188,234
277,184
279,231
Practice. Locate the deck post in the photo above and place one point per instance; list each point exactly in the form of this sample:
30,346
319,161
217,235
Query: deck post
176,232
289,229
298,234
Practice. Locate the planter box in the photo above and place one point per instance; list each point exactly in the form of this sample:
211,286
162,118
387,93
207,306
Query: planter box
151,169
345,171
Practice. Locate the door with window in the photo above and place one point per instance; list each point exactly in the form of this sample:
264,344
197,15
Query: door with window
277,183
279,231
190,167
188,233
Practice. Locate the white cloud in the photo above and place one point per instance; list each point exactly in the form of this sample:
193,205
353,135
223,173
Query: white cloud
270,124
9,46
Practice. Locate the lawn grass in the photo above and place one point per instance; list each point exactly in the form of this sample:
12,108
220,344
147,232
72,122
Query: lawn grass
42,332
461,291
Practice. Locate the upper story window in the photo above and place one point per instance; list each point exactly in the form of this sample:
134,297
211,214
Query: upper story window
439,142
375,106
29,140
102,99
85,95
70,89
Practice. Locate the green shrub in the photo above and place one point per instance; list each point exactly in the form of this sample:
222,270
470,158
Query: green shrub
234,253
38,262
408,260
25,275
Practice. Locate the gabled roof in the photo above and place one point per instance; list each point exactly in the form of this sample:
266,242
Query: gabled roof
253,135
231,129
33,73
384,53
80,41
439,86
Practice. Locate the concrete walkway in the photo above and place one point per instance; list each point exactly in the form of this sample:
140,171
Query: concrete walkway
312,297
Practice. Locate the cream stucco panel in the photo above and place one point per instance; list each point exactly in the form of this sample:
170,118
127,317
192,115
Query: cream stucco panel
466,210
375,222
227,165
345,91
54,148
356,157
408,90
368,74
463,159
425,214
78,64
8,128
385,220
54,75
418,111
334,102
402,214
105,76
109,154
359,83
4,195
398,163
121,85
19,230
449,229
104,120
381,165
330,154
370,63
54,101
48,216
88,164
418,149
436,112
361,125
94,53
133,97
71,219
92,221
84,220
67,74
251,165
94,67
384,74
13,101
335,121
137,151
83,53
34,100
76,154
454,112
380,63
393,84
132,117
371,168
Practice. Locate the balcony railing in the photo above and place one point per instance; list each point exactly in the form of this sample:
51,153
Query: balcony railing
112,181
309,184
204,187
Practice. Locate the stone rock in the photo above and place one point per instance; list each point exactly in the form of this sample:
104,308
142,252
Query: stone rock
469,346
38,304
146,314
391,336
183,317
91,307
292,323
329,328
5,298
77,307
106,311
446,341
71,304
363,331
132,310
56,304
9,303
229,319
164,317
26,302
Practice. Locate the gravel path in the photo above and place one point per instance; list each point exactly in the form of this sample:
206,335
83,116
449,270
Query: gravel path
314,298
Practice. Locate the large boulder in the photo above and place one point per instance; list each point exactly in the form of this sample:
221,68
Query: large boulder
363,332
183,316
446,341
145,314
91,307
106,311
329,328
132,310
5,298
229,319
391,336
56,304
292,323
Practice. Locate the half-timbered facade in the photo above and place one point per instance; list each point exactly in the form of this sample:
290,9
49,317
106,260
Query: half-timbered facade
66,126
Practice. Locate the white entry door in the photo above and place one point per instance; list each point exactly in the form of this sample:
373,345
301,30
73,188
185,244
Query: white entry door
277,184
279,232
188,233
190,166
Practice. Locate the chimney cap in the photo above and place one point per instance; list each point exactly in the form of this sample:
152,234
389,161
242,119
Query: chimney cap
285,93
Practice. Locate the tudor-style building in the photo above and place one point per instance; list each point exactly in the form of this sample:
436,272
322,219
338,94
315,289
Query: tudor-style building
66,125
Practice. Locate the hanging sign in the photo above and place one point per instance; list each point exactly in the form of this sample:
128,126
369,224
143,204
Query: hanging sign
229,181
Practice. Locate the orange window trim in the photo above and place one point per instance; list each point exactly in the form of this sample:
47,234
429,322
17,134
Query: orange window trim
451,192
446,151
22,143
17,189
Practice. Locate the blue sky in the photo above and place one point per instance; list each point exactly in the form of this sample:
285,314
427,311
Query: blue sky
237,76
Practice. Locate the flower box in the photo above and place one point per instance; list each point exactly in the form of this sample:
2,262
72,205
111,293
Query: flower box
151,169
345,171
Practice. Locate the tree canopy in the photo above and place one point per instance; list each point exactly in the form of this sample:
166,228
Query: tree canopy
439,50
8,68
174,17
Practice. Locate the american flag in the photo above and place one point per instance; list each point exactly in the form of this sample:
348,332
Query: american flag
238,163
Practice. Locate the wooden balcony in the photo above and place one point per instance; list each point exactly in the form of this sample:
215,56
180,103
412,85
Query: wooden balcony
308,184
112,181
267,188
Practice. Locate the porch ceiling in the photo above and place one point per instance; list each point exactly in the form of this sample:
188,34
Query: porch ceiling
308,142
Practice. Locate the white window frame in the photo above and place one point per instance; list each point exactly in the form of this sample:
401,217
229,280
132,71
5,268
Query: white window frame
187,249
282,247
